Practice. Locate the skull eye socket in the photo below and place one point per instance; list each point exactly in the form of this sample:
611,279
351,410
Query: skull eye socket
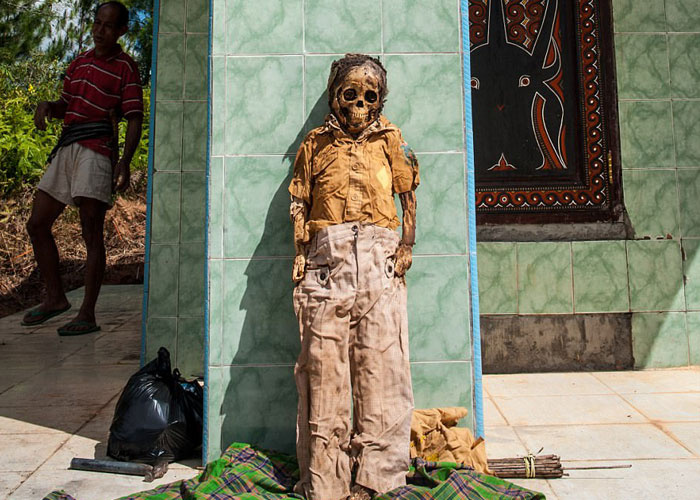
349,95
475,83
371,96
524,81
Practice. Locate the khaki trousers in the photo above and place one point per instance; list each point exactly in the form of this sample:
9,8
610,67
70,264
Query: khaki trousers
354,358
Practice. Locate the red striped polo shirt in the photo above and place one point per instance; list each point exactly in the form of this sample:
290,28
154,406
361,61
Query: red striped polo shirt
93,86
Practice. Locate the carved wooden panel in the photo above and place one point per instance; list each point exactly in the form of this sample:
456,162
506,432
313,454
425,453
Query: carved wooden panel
543,106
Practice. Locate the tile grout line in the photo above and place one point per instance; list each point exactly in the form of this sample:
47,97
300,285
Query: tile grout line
596,424
673,437
180,172
659,99
253,55
45,368
657,32
629,300
520,438
505,419
31,473
571,274
500,412
592,394
517,279
290,155
655,423
303,68
381,28
64,442
685,302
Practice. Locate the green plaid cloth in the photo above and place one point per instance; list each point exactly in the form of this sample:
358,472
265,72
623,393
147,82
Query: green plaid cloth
247,473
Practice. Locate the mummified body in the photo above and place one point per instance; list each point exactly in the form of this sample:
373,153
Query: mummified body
350,299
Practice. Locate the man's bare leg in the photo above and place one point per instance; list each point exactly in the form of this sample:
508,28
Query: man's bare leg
45,211
92,217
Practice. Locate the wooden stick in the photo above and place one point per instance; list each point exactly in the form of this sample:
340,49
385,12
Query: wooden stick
626,466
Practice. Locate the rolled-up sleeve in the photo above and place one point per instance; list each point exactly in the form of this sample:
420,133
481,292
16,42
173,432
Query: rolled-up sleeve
300,187
66,93
131,92
404,164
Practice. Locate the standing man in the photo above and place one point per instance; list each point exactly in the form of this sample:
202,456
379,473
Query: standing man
101,86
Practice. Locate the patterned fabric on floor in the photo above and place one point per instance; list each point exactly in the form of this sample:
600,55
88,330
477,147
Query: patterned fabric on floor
247,473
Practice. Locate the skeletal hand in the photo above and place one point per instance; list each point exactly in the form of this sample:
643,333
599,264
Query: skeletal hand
299,268
404,259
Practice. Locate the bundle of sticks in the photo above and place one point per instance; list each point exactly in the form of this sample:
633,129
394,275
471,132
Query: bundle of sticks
538,466
530,466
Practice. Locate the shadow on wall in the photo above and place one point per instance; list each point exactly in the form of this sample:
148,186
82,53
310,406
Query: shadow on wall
664,280
260,398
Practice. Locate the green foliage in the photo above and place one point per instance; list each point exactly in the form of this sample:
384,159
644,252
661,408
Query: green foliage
61,28
28,77
140,159
138,41
24,24
25,149
73,28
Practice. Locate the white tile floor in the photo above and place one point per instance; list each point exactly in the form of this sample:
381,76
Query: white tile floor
57,398
649,419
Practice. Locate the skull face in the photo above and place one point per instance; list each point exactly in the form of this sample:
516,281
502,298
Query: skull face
358,99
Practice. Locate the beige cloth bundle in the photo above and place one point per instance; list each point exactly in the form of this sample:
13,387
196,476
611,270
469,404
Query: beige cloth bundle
435,437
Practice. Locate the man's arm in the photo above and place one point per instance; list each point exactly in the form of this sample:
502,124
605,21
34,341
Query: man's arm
122,172
48,110
298,212
404,254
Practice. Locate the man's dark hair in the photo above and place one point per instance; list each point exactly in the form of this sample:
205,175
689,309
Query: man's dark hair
123,18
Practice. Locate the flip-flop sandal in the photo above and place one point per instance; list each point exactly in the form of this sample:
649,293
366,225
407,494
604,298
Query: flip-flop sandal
38,316
85,327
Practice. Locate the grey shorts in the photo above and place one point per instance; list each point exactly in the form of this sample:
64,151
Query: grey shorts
77,171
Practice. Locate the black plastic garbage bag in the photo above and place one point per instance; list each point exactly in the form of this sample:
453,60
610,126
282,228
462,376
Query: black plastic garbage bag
158,416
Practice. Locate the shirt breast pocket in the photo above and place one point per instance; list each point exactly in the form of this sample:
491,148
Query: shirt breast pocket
326,174
322,160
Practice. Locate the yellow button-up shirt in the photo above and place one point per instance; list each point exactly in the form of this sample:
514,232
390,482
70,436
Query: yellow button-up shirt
344,179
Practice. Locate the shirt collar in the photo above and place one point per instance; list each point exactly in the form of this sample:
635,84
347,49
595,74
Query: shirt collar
381,124
91,53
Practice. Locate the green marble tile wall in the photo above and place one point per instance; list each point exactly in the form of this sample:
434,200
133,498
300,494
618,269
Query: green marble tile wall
176,284
656,275
270,62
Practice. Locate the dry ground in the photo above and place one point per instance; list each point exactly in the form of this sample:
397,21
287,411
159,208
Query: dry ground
20,281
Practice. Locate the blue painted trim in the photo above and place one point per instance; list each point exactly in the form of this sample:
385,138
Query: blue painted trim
149,188
205,427
471,216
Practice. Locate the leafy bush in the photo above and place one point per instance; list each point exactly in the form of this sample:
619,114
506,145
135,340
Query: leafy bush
23,148
140,159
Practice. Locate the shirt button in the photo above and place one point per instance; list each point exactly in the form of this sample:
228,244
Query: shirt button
354,197
355,166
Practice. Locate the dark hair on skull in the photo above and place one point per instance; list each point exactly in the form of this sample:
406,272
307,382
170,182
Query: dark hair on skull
341,67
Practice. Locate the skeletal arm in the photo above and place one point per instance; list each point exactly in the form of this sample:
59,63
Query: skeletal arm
299,212
404,254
